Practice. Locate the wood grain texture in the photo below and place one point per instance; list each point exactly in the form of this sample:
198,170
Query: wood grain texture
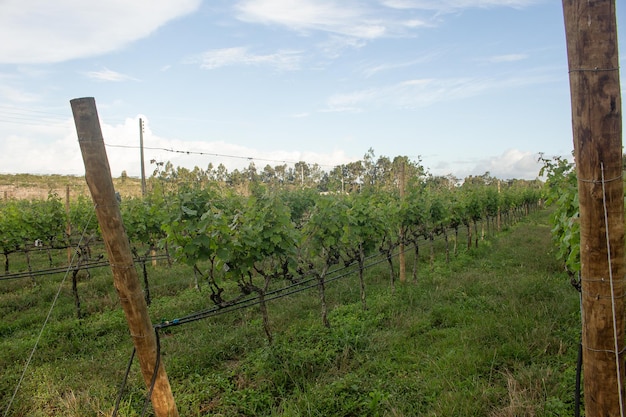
126,280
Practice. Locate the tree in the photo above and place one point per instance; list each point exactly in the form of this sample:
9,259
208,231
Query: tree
268,175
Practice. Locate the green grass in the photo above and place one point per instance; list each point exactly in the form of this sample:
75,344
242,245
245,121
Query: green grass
493,333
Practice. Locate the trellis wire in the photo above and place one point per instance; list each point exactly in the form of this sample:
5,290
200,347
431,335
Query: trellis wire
610,264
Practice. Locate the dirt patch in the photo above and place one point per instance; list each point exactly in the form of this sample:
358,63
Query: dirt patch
33,187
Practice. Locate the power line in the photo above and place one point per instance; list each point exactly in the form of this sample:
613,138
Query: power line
27,111
249,158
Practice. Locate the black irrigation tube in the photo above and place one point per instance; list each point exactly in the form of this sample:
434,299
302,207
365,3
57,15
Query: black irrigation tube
273,295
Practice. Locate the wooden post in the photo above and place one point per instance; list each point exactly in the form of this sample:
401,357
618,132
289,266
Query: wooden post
591,32
100,183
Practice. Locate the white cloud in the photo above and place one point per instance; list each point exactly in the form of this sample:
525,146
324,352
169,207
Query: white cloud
512,163
357,19
506,58
109,75
27,152
336,44
373,70
424,92
306,15
16,95
53,31
216,58
447,6
407,94
346,18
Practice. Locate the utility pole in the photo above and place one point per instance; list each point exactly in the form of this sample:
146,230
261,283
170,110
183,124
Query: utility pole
591,32
143,168
100,183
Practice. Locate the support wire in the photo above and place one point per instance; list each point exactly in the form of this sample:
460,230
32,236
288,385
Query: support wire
56,297
608,245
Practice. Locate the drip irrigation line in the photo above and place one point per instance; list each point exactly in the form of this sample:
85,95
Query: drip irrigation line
270,296
123,385
230,304
579,361
154,373
238,302
32,352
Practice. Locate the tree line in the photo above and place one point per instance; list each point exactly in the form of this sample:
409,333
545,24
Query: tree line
370,172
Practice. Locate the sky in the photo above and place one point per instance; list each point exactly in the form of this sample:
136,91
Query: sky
464,86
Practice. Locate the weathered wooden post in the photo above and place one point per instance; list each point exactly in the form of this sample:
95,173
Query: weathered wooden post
591,31
126,280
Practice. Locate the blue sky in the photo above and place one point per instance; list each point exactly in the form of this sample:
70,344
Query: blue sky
468,86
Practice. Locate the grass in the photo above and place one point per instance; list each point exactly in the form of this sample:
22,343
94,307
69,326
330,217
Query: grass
492,333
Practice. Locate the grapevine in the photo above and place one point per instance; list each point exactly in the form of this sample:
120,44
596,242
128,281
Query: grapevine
562,192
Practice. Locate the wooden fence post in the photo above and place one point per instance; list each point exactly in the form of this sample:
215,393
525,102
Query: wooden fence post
591,32
126,280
